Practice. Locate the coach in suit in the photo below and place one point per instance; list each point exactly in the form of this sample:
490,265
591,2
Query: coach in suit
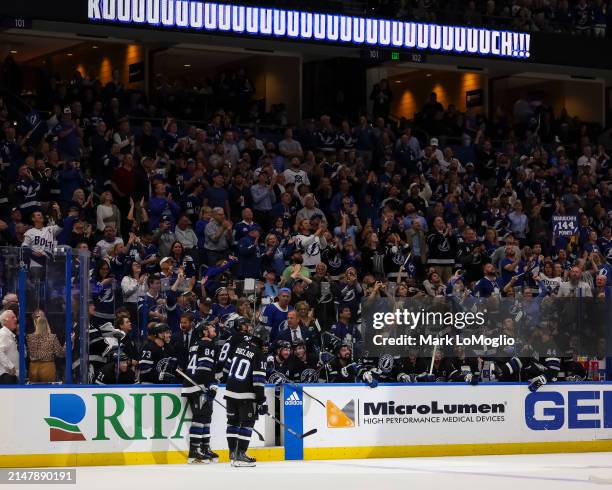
295,332
183,339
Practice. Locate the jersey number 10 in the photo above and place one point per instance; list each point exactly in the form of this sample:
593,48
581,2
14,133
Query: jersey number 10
239,369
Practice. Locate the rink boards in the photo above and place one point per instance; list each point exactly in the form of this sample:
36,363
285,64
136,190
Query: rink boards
449,419
104,425
79,426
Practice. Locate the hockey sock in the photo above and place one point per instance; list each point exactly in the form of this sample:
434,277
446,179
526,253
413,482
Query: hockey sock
244,438
195,434
232,433
206,435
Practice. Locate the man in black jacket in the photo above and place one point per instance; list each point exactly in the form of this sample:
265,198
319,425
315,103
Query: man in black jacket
183,340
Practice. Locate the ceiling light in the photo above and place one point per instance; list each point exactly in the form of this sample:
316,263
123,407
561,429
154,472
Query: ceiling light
13,51
428,75
94,47
69,54
187,66
398,81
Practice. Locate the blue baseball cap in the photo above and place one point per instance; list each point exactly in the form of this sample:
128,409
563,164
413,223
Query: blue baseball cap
284,290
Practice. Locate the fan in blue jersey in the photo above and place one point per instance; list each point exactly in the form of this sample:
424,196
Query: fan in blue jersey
151,306
103,293
489,284
349,293
274,315
222,307
346,331
244,227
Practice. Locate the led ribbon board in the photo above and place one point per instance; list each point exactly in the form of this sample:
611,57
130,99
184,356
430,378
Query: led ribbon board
291,24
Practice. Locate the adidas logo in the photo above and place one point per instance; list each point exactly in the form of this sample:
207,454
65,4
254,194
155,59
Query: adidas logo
293,399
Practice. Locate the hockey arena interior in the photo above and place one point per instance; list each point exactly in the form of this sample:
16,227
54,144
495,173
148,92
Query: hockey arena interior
360,243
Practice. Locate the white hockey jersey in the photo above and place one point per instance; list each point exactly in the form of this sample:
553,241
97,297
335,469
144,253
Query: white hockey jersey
41,240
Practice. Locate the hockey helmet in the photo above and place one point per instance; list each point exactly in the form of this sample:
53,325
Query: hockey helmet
201,327
299,343
121,357
281,344
262,331
160,328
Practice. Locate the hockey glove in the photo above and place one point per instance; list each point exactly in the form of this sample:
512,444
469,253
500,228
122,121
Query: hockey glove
262,408
211,392
405,378
537,382
350,371
370,379
270,363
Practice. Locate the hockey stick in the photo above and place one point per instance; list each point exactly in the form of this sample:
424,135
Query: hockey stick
290,430
259,435
296,387
433,359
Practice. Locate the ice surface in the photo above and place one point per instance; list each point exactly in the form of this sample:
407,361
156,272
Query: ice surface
517,472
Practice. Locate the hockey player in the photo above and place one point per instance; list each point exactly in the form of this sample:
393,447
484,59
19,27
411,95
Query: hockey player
342,369
103,340
438,371
544,366
241,331
245,397
277,363
111,374
201,368
385,370
301,367
157,359
408,368
460,368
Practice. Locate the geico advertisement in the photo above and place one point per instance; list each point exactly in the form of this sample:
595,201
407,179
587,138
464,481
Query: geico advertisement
457,414
47,421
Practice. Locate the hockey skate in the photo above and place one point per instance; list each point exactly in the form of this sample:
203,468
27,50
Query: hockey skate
196,456
241,459
210,455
